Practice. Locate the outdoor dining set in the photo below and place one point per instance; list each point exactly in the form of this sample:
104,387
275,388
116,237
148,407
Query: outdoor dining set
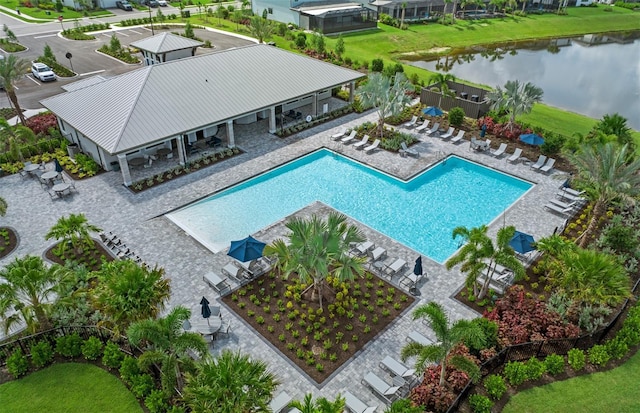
52,181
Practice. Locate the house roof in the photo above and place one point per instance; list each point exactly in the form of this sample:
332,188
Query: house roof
320,10
165,42
83,83
157,102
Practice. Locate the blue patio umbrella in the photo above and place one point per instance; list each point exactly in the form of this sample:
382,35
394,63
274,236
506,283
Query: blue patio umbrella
522,243
432,111
205,311
247,249
532,139
417,268
57,165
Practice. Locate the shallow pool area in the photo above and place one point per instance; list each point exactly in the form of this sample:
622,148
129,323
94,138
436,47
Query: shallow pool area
420,213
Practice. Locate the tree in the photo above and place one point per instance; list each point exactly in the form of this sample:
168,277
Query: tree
318,249
13,137
497,4
75,231
260,28
238,15
168,345
387,96
616,125
11,36
339,49
48,53
12,69
161,17
127,293
607,175
404,9
188,31
221,13
447,337
230,383
480,257
114,44
439,82
516,99
28,291
320,405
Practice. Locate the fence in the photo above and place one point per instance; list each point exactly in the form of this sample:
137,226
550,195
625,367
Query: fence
471,99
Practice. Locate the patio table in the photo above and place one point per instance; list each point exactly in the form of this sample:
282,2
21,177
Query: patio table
30,168
206,329
61,188
49,175
139,161
162,152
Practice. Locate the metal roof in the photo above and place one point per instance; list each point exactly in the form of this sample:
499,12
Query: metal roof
165,42
319,10
83,83
161,101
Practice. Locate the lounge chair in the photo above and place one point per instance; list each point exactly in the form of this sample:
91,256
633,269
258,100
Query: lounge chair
363,247
381,387
547,167
564,195
410,280
458,137
339,134
397,368
408,151
236,273
216,282
448,134
280,402
563,205
540,162
424,126
377,253
354,405
500,151
372,147
419,338
347,139
571,191
411,123
362,143
515,156
434,128
395,267
559,210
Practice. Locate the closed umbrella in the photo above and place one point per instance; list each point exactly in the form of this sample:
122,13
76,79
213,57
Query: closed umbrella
532,139
417,269
522,243
57,165
432,111
247,249
205,310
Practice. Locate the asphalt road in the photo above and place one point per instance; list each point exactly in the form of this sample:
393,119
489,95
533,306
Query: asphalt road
85,60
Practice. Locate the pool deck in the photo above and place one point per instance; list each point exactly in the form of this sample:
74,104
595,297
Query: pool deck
138,220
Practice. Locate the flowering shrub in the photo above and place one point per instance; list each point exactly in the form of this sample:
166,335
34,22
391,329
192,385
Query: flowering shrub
502,130
40,124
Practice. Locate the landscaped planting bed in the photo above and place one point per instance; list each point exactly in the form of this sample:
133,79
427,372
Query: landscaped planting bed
318,340
8,241
91,257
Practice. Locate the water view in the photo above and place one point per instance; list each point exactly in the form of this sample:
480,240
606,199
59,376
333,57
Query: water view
593,74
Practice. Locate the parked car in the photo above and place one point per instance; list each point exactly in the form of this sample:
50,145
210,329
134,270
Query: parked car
124,5
42,72
151,3
162,3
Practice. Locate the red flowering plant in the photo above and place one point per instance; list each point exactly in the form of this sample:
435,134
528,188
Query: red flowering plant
40,124
502,130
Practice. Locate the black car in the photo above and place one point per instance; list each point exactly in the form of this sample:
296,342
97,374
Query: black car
124,5
151,3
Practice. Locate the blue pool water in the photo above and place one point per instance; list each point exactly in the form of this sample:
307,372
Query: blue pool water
420,213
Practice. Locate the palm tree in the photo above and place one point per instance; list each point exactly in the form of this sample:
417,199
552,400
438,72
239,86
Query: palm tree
231,383
607,175
320,405
479,256
28,291
167,345
3,207
616,125
404,9
260,28
439,82
74,230
389,98
128,293
516,99
12,137
448,337
318,249
12,69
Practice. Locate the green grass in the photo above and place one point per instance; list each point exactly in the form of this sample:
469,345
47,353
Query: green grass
68,387
41,14
611,391
558,120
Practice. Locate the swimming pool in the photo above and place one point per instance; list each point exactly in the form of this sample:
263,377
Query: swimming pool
420,213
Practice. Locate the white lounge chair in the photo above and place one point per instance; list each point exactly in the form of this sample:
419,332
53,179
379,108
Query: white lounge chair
411,123
339,134
448,134
354,405
571,191
408,151
235,272
559,210
547,167
418,338
381,387
458,137
397,368
280,402
540,162
515,156
500,151
424,126
434,128
563,205
347,139
363,247
564,195
216,282
362,143
395,267
377,253
372,147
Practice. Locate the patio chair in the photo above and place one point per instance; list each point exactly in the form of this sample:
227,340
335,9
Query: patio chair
362,143
235,273
377,253
408,151
515,156
434,128
458,137
339,134
216,282
448,134
416,337
355,405
571,191
411,123
541,160
53,195
410,280
565,195
395,267
226,329
397,368
500,151
424,126
369,149
347,139
557,209
548,166
280,402
363,247
381,387
484,146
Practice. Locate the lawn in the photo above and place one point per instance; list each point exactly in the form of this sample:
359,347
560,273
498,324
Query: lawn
614,390
68,387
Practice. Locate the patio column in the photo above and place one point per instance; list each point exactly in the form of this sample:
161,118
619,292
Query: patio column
182,153
352,90
124,167
232,142
272,119
314,105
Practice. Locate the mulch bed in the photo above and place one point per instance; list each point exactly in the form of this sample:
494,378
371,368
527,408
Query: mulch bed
321,334
8,241
91,259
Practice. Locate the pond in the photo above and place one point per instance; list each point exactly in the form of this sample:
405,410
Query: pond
593,74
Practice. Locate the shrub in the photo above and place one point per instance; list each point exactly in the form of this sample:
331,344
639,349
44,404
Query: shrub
129,368
495,386
619,236
41,354
17,364
92,348
576,359
301,40
552,143
156,402
515,372
599,355
377,65
456,116
69,346
617,347
554,364
142,385
112,356
480,403
535,368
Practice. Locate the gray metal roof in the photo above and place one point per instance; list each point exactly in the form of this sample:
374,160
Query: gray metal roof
83,83
160,101
165,42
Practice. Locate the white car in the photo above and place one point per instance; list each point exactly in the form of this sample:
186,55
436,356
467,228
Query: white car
162,3
42,72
